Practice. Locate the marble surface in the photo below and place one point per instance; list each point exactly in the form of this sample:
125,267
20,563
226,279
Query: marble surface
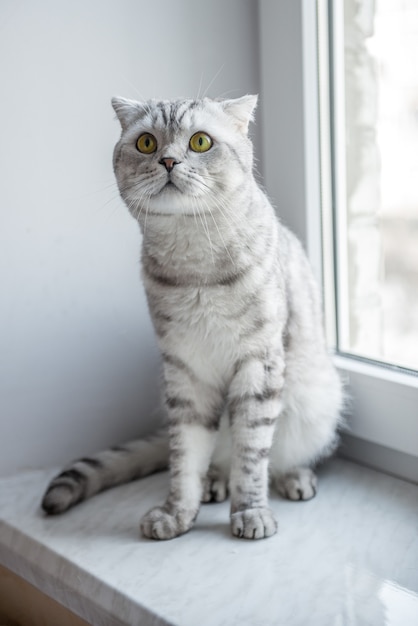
348,557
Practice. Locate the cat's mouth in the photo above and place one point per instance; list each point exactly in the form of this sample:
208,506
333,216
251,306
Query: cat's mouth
170,186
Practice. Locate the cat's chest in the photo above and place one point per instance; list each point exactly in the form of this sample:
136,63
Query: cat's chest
202,312
211,329
199,325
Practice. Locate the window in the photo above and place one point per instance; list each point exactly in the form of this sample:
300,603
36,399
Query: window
375,52
337,50
368,92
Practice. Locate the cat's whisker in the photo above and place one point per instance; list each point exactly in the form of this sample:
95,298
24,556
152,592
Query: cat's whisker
147,206
194,216
139,94
219,233
115,198
200,85
143,104
213,80
205,227
137,206
142,204
106,187
137,210
138,200
216,199
233,222
131,206
136,186
228,93
111,199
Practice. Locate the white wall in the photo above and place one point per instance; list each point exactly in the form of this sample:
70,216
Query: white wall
79,366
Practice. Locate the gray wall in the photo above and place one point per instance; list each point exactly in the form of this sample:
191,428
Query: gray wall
289,103
79,366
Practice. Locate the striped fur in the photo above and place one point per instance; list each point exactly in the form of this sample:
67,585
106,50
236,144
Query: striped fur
250,391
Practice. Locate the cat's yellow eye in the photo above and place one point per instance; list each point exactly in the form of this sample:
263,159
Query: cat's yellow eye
200,142
146,143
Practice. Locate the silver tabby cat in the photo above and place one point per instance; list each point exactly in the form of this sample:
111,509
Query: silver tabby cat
251,394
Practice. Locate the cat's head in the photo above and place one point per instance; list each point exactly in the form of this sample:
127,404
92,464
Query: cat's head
183,155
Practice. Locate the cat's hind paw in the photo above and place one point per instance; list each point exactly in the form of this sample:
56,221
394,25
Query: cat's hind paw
215,486
160,523
300,484
253,523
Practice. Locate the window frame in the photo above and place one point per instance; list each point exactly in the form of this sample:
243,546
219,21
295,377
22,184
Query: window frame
299,165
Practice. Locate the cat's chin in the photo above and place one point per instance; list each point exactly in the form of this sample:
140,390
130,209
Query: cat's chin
173,202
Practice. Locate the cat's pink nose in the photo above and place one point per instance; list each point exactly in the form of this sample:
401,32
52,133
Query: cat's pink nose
168,163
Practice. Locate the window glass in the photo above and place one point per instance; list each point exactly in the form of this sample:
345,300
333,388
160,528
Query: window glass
376,177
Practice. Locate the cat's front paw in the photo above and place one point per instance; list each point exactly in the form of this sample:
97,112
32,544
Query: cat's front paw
253,523
162,523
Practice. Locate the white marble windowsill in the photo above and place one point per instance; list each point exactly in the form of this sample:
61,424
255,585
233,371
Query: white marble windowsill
348,557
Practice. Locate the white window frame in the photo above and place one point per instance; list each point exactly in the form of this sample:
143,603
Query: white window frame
383,407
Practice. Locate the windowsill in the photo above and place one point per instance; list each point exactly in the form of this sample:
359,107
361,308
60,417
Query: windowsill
352,552
383,412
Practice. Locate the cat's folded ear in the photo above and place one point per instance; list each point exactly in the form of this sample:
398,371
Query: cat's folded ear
241,110
127,110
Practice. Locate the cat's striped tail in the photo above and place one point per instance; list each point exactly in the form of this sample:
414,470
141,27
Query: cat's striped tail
120,464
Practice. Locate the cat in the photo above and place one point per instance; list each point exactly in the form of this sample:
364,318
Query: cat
251,393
